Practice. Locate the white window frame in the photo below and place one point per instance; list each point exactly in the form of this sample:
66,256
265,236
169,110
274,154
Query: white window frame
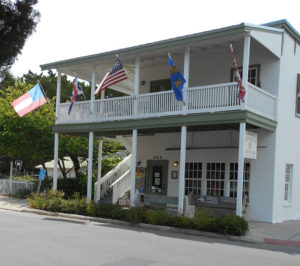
251,79
215,179
288,183
193,178
233,178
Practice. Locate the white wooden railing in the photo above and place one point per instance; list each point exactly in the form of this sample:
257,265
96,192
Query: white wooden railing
261,102
104,185
213,98
121,186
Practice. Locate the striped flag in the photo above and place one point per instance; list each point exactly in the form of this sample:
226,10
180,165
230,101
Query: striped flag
29,101
115,75
242,91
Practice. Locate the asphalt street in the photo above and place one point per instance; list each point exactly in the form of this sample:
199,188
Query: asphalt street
30,239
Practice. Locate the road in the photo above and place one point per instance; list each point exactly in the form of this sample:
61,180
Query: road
30,239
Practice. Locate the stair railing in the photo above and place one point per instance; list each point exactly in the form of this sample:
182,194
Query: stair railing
102,186
121,186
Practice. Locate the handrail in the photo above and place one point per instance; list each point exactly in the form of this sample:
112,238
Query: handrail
261,91
114,170
120,178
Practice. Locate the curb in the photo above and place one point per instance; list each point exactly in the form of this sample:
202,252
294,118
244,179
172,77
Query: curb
142,226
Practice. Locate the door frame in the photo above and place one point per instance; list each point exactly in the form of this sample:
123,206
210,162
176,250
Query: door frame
165,166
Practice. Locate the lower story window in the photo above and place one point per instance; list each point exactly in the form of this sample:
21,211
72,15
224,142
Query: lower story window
193,176
215,176
233,176
288,183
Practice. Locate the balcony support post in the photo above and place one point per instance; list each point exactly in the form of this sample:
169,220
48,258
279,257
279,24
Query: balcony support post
93,85
136,84
56,135
99,166
90,166
246,57
239,197
133,164
186,74
182,170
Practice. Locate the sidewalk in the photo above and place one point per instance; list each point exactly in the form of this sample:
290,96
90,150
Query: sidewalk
286,233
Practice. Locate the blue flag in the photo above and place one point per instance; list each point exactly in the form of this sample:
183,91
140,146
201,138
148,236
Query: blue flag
177,80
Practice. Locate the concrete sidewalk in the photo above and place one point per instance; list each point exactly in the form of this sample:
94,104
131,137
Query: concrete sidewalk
286,233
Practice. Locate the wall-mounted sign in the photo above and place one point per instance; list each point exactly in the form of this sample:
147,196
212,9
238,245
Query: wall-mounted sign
250,150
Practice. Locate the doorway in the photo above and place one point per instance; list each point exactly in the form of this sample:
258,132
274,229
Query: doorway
157,177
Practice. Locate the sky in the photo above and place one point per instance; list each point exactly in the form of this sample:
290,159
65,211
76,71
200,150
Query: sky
74,28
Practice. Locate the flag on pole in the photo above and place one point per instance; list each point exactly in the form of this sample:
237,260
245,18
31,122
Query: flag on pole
242,91
29,101
116,74
177,80
77,89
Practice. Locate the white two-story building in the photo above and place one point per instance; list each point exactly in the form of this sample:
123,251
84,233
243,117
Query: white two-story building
199,148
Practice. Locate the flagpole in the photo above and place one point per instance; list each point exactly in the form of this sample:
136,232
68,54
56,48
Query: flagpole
75,75
47,99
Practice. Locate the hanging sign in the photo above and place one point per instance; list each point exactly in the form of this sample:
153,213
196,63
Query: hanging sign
250,150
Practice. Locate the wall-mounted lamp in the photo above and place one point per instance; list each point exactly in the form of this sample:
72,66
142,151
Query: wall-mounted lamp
143,82
139,163
175,164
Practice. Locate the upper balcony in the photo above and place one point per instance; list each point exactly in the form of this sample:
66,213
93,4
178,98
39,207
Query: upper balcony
206,63
205,99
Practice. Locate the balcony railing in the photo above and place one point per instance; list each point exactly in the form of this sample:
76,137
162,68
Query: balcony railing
214,98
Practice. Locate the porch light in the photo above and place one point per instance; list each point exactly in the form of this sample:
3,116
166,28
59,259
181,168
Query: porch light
175,164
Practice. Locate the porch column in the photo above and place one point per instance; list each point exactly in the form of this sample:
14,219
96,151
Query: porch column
182,170
93,85
136,83
246,57
55,160
239,198
133,164
90,166
186,74
56,136
99,165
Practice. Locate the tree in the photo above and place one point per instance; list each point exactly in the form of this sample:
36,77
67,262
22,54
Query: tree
18,20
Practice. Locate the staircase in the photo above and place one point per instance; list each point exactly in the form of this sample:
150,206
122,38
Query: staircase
115,183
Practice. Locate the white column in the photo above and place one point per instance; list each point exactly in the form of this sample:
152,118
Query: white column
133,164
90,166
58,89
99,159
203,181
181,170
56,135
55,160
239,198
93,85
186,74
246,57
136,83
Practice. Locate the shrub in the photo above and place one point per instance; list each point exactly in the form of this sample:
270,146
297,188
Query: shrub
23,193
231,224
136,215
90,209
159,217
204,221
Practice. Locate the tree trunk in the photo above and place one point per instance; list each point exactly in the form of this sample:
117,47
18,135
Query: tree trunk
62,168
76,164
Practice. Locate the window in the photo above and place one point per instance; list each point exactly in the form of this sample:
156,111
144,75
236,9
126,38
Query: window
288,183
193,176
298,96
233,176
253,74
160,85
215,175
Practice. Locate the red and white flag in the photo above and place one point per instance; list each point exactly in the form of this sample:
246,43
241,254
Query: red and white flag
115,75
242,91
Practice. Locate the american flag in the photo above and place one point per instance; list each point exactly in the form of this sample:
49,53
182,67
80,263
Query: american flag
242,91
115,75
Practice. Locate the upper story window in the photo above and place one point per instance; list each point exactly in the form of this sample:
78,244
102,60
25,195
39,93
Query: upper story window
160,85
253,74
298,96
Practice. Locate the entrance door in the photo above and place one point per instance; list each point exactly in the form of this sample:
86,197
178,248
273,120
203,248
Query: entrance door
157,177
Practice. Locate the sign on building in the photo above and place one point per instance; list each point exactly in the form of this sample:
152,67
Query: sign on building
250,150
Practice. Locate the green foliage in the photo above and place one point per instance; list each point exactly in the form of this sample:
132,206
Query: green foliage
231,224
136,215
18,21
54,201
23,193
